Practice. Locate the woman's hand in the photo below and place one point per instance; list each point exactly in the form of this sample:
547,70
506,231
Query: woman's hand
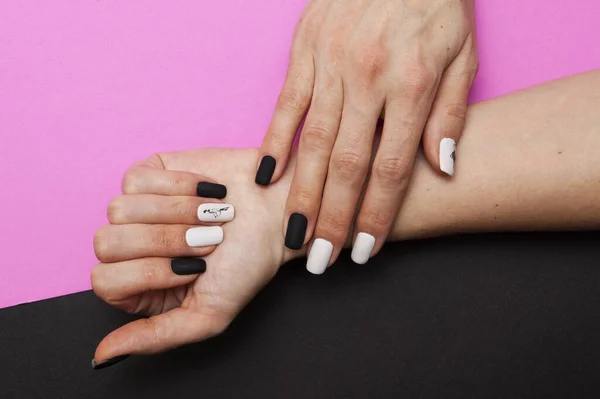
351,60
148,226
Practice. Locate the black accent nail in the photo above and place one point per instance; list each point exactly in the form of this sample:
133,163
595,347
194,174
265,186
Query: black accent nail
211,190
296,230
186,266
265,170
108,363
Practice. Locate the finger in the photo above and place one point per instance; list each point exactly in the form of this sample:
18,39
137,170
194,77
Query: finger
150,177
346,176
117,282
406,115
157,334
316,143
292,104
449,110
160,209
115,243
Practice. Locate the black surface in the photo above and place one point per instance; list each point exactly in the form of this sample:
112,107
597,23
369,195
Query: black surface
211,190
296,231
265,170
186,266
508,316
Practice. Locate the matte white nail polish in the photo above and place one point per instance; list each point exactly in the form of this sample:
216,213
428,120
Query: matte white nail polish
447,155
319,256
363,246
216,212
204,236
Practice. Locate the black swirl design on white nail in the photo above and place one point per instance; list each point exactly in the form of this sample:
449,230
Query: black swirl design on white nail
216,212
453,156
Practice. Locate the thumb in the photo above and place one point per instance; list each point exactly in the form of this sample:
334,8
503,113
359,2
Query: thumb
156,334
449,110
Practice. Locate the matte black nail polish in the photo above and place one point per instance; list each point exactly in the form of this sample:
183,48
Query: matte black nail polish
186,266
108,363
265,170
211,190
296,230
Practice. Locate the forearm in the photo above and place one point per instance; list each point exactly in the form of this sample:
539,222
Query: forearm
527,161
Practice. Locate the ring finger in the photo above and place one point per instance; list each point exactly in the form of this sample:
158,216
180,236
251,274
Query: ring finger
160,209
115,243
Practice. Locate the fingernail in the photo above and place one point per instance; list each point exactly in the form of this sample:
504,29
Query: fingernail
265,170
319,256
108,363
363,246
447,156
211,190
204,236
186,266
216,212
296,230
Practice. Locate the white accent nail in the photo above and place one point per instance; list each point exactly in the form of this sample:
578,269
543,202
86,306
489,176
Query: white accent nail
363,246
216,212
447,151
319,256
204,236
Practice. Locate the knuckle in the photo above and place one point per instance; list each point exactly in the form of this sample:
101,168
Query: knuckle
131,182
182,209
98,281
417,79
349,167
303,196
456,110
333,224
317,137
392,171
164,241
102,244
293,101
369,60
116,211
335,50
376,220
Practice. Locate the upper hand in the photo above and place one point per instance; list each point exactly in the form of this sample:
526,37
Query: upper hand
350,61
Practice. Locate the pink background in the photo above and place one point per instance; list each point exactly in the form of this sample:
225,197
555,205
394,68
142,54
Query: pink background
88,87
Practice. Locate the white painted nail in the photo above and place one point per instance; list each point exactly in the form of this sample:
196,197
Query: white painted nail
216,212
363,246
319,256
204,236
447,151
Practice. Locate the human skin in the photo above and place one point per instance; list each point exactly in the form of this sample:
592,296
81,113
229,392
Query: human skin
531,163
351,60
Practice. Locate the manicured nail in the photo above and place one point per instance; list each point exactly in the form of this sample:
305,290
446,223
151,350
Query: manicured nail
216,212
186,266
296,230
319,256
265,170
204,236
211,190
363,246
108,363
447,156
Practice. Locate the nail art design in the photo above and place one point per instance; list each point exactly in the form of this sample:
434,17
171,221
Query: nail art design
216,212
108,363
211,190
319,256
265,170
363,246
296,231
187,266
204,236
447,155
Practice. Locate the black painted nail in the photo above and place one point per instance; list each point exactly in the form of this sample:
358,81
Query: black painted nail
185,266
265,170
211,190
108,363
296,230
